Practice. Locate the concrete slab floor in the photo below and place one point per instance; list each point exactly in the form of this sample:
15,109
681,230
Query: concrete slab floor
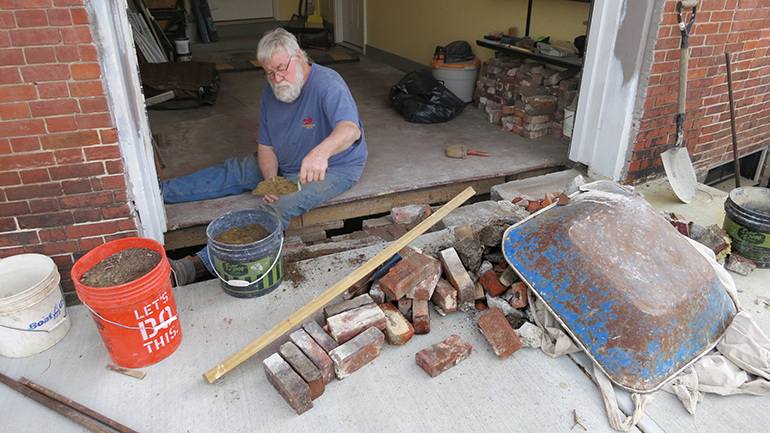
527,392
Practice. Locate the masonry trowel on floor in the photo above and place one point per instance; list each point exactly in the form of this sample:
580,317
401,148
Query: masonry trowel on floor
676,160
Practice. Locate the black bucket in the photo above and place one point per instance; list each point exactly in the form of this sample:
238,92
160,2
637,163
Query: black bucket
247,270
747,221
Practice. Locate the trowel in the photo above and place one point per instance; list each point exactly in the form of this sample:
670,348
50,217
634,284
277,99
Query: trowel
676,160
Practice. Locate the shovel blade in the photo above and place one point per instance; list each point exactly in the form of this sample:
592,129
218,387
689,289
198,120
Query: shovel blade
681,174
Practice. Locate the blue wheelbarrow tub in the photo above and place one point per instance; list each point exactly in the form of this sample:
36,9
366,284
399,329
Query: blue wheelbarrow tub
631,291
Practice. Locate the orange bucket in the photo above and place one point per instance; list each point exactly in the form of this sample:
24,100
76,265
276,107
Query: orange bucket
138,320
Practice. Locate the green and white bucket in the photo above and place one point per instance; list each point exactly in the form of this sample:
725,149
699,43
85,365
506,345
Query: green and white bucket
247,270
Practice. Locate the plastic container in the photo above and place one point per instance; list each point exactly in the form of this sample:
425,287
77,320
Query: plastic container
247,270
747,221
138,320
33,317
459,78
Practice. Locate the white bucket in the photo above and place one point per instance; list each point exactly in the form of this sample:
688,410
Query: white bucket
182,46
32,313
460,81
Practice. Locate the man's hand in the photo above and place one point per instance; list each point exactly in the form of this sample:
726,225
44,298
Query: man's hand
314,167
269,198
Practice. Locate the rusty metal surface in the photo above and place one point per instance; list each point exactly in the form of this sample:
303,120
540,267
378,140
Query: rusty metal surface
638,298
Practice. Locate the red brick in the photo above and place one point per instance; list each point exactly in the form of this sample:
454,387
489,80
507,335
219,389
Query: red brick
54,107
410,214
341,307
76,35
69,53
14,209
519,299
70,140
61,124
499,333
346,325
320,336
33,191
19,110
85,71
33,37
405,306
37,175
376,293
19,238
420,316
22,128
86,88
90,230
356,353
424,290
491,282
314,352
52,90
458,277
55,72
59,17
288,383
445,296
304,367
12,57
411,270
11,75
398,330
442,356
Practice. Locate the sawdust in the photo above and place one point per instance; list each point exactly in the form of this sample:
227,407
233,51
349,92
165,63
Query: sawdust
276,185
121,268
242,235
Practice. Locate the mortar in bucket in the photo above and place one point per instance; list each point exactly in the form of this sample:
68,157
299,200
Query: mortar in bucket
747,221
137,320
251,269
33,317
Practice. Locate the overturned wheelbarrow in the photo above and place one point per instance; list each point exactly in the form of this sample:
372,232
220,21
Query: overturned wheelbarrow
631,291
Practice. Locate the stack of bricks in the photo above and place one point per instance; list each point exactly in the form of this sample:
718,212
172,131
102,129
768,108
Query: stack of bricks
526,98
393,309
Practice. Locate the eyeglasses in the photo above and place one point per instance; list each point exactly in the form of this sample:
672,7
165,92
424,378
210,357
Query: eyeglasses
280,72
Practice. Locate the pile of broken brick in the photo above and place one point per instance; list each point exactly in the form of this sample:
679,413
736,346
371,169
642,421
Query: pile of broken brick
469,274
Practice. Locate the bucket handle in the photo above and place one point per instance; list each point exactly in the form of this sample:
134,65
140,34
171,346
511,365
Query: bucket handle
155,328
39,330
244,283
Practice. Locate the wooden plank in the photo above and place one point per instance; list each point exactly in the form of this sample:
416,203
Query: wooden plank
157,99
334,291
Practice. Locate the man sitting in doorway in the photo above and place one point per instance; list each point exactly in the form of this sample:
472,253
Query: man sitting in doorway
309,131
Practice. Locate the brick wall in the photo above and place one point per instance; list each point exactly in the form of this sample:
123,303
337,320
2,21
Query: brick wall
62,182
741,27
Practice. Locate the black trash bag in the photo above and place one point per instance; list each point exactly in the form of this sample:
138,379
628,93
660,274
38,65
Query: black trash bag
455,52
420,98
193,83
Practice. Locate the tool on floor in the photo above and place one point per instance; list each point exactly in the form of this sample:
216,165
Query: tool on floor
76,412
321,300
461,151
676,160
737,165
382,270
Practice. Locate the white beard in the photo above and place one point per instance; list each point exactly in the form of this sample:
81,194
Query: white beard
288,92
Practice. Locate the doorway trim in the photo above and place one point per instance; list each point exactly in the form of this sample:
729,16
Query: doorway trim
120,75
618,62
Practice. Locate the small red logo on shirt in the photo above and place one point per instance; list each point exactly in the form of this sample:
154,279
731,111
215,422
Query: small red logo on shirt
308,123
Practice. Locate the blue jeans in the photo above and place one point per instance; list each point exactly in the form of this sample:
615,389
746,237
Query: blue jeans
239,175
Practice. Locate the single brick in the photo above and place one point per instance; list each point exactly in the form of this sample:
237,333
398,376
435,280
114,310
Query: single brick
304,367
341,307
499,333
411,270
445,296
314,352
410,214
491,282
424,290
458,277
288,383
519,298
348,324
420,316
356,353
398,330
320,336
442,356
376,293
405,306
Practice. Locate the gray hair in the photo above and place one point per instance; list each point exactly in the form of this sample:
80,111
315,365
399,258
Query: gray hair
275,41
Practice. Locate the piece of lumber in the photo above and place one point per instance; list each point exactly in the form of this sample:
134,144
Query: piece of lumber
76,406
133,373
157,99
311,307
56,406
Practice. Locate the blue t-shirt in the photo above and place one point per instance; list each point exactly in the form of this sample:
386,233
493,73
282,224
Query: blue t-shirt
294,129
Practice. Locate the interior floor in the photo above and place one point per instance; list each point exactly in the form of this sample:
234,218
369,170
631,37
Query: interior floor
407,162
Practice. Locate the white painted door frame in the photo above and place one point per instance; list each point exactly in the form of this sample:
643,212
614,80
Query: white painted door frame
339,23
120,72
618,61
